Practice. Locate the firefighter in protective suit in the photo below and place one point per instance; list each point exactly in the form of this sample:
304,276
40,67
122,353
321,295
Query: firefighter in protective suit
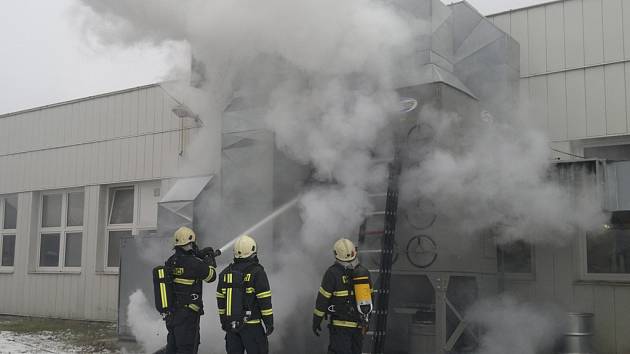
244,301
189,267
345,296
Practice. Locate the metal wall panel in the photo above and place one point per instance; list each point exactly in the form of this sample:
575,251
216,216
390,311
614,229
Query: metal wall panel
555,36
612,13
593,32
564,271
110,149
557,106
616,117
627,80
503,22
604,309
595,101
622,323
536,21
538,102
625,4
518,25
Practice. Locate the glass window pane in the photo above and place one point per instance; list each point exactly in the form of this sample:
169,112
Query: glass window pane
49,250
515,257
609,252
10,213
121,206
113,247
8,250
73,249
51,210
75,209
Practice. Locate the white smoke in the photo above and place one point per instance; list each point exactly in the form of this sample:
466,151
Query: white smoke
509,326
145,323
493,174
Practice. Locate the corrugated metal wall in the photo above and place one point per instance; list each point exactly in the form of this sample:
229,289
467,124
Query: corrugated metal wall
575,71
122,137
127,136
574,65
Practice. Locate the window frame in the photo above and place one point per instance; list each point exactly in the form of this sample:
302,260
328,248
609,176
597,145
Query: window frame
62,230
133,227
531,275
3,232
584,274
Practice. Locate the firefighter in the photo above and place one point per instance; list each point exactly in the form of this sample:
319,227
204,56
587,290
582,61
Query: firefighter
244,301
189,267
345,296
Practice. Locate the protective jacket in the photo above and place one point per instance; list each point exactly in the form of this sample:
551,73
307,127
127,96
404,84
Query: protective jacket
188,272
336,297
257,293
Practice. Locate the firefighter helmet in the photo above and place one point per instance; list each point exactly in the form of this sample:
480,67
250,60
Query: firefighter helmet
244,247
183,236
345,250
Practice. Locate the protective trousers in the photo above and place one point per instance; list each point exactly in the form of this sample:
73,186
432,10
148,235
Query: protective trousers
251,339
345,340
183,332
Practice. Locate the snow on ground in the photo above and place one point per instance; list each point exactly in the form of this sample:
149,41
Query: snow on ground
31,343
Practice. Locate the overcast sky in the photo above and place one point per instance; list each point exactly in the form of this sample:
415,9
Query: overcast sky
46,58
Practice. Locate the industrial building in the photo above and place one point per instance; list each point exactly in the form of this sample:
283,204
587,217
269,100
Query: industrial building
82,182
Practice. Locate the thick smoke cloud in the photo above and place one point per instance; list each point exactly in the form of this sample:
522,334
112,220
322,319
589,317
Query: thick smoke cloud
493,175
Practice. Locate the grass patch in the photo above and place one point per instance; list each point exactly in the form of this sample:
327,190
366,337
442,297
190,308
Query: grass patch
93,336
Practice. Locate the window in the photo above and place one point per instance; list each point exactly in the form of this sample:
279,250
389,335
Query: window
61,230
120,222
8,227
515,258
608,251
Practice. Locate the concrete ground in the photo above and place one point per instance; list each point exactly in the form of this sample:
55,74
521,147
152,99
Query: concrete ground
44,335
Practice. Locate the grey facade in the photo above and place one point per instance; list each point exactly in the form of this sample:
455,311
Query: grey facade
72,157
575,75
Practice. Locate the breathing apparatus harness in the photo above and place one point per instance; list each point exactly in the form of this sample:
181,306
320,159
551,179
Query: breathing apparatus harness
358,286
240,304
167,299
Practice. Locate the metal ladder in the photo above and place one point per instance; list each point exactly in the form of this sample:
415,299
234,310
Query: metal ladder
388,235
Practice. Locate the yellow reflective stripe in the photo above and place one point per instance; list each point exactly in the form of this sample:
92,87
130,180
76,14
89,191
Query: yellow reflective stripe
361,278
264,294
163,295
345,324
210,274
194,307
253,322
184,281
325,293
161,273
250,290
319,313
220,295
229,302
221,311
341,293
267,312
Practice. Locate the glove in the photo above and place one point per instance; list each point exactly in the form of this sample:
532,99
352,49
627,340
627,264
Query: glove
211,260
317,325
269,330
208,256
